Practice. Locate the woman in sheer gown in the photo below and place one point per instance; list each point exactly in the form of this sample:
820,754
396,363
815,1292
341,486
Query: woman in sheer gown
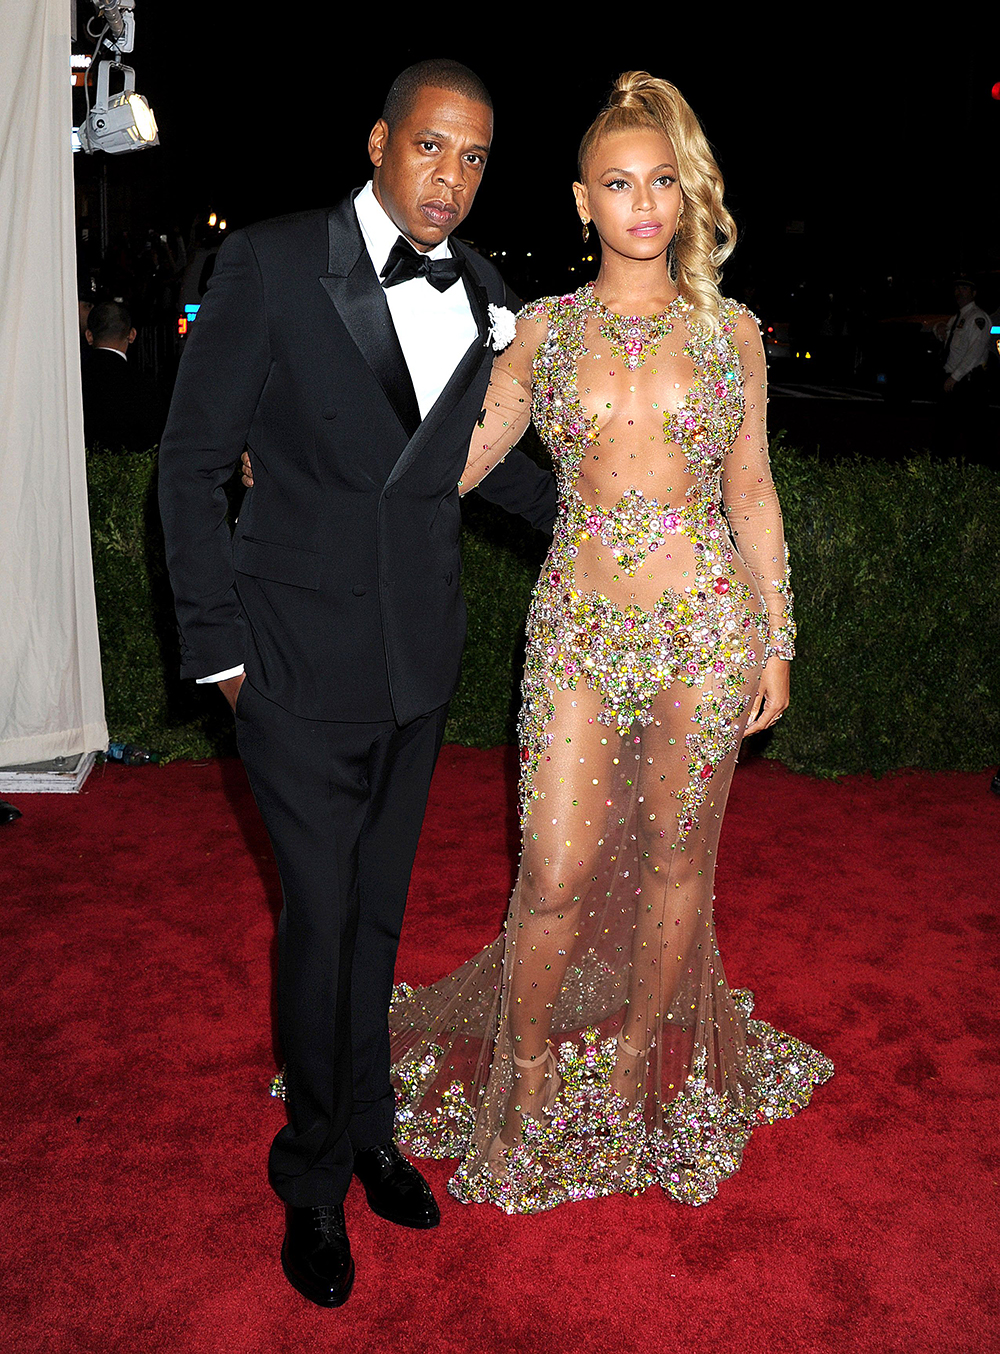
594,1046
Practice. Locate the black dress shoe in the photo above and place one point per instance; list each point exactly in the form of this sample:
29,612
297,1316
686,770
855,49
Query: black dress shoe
316,1254
395,1188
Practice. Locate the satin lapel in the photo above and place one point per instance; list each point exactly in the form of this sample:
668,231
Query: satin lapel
478,300
356,292
461,377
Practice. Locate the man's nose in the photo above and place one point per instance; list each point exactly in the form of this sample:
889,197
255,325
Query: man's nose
451,171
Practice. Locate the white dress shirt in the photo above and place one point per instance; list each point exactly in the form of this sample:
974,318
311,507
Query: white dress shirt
967,341
434,327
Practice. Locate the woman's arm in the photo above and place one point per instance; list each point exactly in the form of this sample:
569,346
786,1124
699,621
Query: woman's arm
507,409
528,489
751,504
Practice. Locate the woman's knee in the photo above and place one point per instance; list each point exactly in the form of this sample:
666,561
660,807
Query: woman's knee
555,885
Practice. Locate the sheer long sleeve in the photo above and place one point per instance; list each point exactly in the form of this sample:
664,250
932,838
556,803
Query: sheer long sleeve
507,408
750,498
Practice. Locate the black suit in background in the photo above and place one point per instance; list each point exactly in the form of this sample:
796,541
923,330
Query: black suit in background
119,407
340,593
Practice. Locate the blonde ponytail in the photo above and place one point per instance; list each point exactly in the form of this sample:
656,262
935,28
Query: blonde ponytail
706,233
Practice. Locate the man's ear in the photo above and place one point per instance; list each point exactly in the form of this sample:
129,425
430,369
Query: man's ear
89,337
376,142
131,336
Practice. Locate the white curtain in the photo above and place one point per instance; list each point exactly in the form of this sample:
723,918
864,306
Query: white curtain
51,701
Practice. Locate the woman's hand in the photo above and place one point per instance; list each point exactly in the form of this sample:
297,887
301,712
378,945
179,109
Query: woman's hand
772,698
247,470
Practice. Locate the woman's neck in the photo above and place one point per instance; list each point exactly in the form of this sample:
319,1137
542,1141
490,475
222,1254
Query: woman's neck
634,286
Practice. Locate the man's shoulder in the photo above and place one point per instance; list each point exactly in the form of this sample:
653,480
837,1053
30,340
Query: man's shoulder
100,355
281,232
485,272
103,365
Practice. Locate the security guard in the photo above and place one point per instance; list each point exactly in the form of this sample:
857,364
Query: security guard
966,345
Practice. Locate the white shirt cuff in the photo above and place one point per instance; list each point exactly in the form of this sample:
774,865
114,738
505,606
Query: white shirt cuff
219,676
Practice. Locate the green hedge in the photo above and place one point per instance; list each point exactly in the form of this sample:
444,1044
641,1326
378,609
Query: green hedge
145,700
894,567
895,574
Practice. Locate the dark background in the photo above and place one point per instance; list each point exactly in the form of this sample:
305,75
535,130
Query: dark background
852,156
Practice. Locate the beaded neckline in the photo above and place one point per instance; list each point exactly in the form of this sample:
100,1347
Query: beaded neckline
589,298
633,337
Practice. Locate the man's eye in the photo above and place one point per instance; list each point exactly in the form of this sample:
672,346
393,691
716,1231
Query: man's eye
475,159
428,145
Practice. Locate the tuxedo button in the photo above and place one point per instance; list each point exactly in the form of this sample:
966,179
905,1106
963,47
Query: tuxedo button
358,590
448,577
330,413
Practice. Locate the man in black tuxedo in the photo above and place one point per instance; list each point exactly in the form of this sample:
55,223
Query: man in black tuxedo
350,352
118,408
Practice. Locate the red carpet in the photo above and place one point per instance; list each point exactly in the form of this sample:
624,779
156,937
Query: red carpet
139,923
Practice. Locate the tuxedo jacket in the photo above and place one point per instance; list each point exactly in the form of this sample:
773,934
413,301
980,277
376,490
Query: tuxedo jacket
339,590
119,406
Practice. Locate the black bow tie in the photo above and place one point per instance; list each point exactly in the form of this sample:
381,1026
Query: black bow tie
404,262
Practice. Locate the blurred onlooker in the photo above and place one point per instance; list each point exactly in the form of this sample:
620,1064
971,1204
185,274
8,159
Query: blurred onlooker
117,409
200,266
966,338
84,306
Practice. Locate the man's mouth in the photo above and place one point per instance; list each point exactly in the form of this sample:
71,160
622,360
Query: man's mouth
438,212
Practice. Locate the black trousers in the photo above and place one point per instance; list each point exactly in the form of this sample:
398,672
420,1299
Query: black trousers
343,805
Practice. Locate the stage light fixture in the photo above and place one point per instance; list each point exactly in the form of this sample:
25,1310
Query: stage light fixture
118,122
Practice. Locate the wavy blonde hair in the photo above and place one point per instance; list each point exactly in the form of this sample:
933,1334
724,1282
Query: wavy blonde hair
706,233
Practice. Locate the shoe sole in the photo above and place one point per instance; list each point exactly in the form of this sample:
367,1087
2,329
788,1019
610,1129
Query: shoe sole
311,1293
402,1222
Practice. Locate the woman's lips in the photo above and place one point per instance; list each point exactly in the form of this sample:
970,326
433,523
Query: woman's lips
440,213
645,229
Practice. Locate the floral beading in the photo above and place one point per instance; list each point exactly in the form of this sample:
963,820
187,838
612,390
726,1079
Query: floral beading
711,635
661,598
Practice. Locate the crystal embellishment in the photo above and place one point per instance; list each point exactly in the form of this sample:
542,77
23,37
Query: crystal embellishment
634,337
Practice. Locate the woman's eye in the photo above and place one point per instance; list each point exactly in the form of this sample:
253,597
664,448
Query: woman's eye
667,179
616,184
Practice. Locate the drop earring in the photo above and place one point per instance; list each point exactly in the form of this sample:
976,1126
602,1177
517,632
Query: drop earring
586,231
